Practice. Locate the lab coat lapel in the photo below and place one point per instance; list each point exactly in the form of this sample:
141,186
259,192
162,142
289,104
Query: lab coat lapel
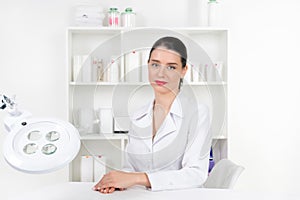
167,128
171,122
143,125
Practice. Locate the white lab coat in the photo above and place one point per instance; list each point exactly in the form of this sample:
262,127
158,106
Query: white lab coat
178,157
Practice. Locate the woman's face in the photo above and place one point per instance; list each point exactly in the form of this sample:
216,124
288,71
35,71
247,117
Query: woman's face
165,70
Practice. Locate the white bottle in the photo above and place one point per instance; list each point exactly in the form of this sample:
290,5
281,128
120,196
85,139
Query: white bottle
132,67
210,73
99,167
128,18
86,169
213,12
114,69
219,71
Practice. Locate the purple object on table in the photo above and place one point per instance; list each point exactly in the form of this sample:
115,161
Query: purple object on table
211,161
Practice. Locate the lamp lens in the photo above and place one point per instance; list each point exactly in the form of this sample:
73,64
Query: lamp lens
49,149
52,136
30,148
34,135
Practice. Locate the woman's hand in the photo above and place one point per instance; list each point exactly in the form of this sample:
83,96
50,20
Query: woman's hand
120,180
109,190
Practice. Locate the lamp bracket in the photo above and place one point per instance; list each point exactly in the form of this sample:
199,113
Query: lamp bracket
16,116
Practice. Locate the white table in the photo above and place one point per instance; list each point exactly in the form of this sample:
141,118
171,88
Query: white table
83,191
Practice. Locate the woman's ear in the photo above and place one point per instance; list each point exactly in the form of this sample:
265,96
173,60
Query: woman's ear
184,70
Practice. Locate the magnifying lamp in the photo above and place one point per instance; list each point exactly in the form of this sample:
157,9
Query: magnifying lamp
37,145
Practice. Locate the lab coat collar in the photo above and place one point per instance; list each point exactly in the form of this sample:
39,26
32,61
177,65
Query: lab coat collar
144,111
168,127
143,118
176,109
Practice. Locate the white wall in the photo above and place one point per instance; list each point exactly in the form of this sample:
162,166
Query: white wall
264,92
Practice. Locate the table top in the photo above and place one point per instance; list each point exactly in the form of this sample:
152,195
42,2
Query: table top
83,191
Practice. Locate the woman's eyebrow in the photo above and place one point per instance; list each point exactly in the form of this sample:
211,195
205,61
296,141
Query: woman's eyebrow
171,63
153,60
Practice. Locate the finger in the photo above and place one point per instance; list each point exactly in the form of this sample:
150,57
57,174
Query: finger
103,190
103,183
96,187
111,190
108,185
106,190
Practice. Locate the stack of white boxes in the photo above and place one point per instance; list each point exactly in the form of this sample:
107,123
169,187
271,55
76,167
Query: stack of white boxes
92,168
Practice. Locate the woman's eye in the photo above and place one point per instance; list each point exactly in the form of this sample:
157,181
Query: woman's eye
171,67
154,65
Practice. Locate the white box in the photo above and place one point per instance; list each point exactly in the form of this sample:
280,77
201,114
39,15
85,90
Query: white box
144,65
195,73
210,73
86,69
76,67
85,120
106,120
121,124
86,169
202,72
188,74
132,67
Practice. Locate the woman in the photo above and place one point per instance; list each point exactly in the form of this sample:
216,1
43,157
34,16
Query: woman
169,141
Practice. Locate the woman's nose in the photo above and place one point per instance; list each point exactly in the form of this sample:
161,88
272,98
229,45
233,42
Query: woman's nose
161,71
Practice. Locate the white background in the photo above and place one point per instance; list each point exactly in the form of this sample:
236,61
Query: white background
264,84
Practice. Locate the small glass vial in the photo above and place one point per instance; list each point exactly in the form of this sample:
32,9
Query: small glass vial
128,18
113,17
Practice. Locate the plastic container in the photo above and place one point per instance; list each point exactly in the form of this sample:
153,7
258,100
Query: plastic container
128,18
211,161
113,17
213,10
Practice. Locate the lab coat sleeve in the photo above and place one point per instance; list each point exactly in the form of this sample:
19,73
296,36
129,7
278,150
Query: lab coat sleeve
195,160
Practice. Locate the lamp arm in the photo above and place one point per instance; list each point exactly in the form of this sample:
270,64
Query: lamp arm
10,104
15,115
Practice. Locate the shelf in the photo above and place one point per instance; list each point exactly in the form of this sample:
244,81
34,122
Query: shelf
121,136
220,138
111,136
104,29
105,83
118,30
138,83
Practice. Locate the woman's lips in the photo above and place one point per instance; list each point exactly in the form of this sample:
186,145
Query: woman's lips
160,83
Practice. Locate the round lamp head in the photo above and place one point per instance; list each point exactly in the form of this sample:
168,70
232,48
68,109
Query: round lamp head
41,145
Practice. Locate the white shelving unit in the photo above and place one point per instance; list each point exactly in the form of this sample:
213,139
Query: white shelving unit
118,41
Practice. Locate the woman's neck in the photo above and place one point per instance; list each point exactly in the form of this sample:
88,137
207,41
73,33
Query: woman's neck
164,100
